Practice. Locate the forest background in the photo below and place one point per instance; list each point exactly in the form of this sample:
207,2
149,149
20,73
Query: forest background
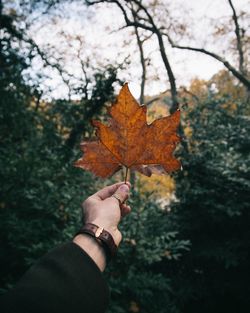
186,243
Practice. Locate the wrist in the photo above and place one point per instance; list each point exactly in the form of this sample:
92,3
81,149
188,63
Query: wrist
101,236
113,230
93,249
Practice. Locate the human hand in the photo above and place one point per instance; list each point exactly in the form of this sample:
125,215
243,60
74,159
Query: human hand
105,211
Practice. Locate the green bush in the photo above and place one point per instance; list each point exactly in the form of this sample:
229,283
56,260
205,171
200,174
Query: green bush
213,210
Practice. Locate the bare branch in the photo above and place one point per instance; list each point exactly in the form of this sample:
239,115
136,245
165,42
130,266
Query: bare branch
151,101
148,103
125,15
153,29
165,60
194,96
242,78
142,59
238,38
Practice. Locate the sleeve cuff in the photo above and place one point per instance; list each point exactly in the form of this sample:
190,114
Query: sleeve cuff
64,280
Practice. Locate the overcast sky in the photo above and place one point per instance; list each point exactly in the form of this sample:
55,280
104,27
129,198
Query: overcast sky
109,45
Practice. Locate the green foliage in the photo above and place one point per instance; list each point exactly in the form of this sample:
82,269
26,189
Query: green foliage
40,190
135,277
193,258
213,210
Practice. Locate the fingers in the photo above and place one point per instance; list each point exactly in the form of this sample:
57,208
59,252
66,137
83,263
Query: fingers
125,209
121,193
120,196
109,190
120,190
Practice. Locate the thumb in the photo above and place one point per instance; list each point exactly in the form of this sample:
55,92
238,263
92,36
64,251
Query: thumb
122,193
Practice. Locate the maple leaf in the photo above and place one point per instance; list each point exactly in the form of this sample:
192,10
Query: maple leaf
129,141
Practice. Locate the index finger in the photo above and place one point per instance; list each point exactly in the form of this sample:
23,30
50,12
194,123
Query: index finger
108,191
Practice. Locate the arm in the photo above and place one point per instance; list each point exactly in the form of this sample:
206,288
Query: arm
105,211
69,278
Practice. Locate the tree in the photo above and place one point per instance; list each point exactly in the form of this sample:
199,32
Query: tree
240,71
40,189
138,16
212,209
147,16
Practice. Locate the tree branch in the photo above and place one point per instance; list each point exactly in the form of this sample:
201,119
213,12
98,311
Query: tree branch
142,59
165,60
238,38
153,29
242,78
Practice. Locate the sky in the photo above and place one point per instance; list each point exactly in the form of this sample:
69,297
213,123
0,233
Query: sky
103,43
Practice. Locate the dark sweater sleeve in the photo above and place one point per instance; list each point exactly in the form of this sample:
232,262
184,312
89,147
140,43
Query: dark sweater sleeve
64,280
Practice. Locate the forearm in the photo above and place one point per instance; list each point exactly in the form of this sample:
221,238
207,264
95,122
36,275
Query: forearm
69,278
92,248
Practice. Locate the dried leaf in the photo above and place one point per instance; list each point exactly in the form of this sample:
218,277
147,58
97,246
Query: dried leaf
129,141
97,159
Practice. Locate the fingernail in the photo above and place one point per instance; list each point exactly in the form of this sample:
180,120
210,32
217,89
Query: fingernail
124,188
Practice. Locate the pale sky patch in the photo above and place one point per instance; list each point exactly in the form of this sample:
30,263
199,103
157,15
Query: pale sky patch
109,46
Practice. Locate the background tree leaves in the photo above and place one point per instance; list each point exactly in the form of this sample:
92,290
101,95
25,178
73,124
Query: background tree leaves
188,252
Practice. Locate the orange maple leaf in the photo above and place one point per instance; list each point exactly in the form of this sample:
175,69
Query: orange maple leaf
129,141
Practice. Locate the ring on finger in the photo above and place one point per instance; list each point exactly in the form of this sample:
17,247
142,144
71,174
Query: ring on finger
117,197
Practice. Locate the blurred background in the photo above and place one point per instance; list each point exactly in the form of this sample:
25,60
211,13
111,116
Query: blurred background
186,244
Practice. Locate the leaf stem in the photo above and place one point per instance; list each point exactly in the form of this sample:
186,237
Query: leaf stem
126,175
